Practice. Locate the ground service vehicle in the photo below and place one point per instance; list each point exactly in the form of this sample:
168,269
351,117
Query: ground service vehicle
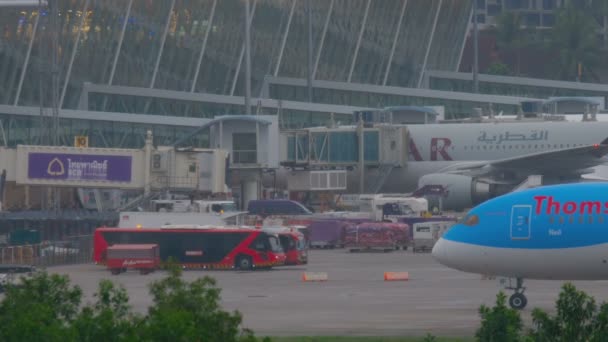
145,219
145,258
390,206
10,274
426,234
203,247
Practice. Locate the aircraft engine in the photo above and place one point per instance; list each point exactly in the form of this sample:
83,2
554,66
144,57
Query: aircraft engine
462,191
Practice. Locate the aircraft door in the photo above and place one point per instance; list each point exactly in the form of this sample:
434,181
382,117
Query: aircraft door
520,222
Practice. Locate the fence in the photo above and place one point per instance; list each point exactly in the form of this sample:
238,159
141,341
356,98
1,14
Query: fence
72,250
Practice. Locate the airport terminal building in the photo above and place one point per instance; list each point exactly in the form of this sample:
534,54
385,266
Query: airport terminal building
112,70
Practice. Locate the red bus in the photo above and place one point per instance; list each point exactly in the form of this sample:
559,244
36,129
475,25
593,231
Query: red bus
293,243
208,248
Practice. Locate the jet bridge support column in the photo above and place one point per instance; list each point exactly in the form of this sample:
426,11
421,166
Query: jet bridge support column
147,158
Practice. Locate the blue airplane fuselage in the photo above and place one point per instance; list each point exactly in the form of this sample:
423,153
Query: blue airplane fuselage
551,232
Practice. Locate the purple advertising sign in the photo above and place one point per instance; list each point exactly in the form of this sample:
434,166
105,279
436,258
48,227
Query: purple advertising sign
79,167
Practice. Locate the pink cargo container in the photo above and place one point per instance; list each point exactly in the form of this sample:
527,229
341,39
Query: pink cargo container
377,235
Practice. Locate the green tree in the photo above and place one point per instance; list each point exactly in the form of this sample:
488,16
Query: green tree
574,41
499,323
599,9
109,319
47,308
510,35
40,309
577,319
185,311
498,69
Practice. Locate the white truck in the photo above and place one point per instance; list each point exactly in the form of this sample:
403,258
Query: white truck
425,234
188,206
390,206
143,219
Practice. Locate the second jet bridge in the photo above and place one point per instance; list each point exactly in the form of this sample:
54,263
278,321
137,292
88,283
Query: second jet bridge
339,146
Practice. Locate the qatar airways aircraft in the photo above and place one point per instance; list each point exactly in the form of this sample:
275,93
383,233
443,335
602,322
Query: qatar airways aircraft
478,161
555,232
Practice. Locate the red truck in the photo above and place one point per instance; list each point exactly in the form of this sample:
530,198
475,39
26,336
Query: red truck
145,258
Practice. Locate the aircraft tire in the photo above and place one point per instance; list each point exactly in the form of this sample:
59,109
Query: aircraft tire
518,301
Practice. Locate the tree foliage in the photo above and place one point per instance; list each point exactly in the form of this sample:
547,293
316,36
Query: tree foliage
499,323
186,312
574,40
40,309
577,319
47,308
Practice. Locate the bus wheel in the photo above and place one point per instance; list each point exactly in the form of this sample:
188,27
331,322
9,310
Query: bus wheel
244,263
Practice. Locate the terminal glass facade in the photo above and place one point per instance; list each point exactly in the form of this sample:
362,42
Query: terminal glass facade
497,88
34,130
453,108
198,46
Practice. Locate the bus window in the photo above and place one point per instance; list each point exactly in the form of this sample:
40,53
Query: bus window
259,244
287,242
275,246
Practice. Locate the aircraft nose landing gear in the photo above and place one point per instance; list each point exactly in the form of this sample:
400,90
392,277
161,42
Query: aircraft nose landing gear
518,300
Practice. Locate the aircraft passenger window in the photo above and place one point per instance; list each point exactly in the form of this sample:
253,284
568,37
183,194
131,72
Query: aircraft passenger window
571,219
561,145
535,146
561,220
551,220
600,219
590,220
581,220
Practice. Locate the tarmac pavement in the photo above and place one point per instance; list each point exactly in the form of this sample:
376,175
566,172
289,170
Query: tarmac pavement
355,300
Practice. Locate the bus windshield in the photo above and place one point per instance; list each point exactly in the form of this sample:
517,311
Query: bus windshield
301,244
275,246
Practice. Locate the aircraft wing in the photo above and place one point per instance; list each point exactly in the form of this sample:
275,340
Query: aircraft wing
569,161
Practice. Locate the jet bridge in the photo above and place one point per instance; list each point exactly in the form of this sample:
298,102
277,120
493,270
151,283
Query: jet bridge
339,146
320,157
151,169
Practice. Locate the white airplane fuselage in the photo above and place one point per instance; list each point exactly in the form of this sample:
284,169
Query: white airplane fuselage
434,148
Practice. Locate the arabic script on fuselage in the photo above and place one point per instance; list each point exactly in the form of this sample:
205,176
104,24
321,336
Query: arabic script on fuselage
535,135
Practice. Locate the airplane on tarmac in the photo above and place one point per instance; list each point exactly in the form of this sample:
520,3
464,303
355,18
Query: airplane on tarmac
555,232
478,161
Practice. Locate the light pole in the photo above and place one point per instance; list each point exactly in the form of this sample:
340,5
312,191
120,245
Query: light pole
247,61
475,50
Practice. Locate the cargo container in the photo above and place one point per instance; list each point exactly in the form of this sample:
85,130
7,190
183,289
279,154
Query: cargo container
376,236
327,233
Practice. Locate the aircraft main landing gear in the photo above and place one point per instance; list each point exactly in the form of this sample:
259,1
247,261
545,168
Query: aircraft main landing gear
517,300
